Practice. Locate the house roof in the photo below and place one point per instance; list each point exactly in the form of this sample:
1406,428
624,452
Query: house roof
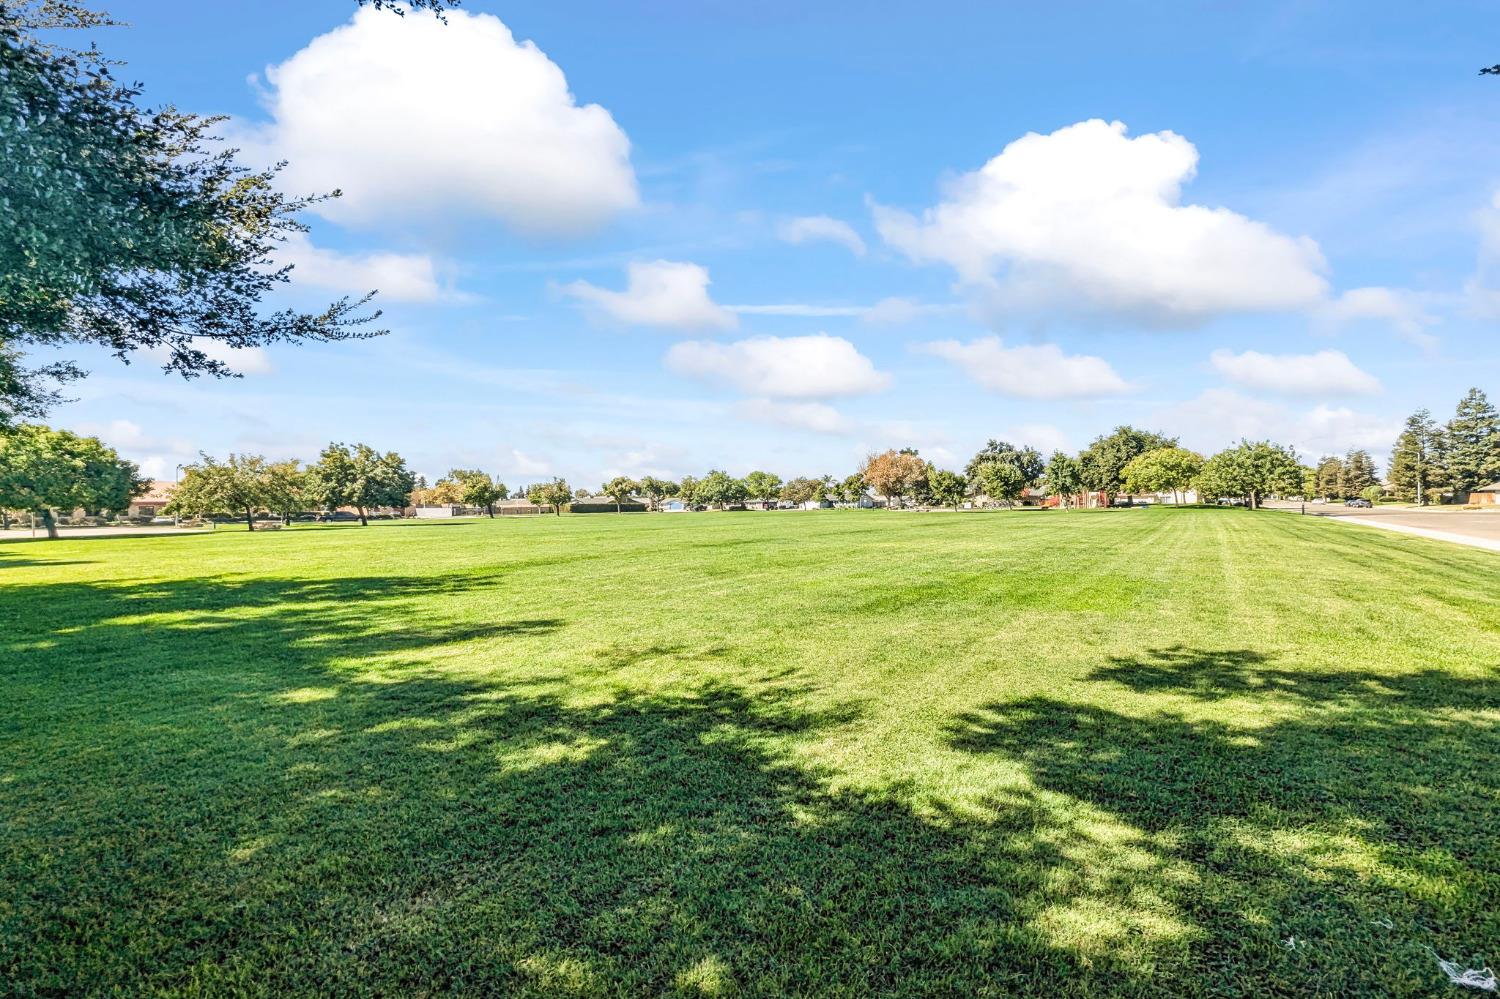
159,491
1493,487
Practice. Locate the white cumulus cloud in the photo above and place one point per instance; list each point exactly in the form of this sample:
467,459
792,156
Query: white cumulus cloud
1327,372
822,228
1039,371
819,417
415,119
399,277
1401,309
241,360
799,367
665,293
1092,219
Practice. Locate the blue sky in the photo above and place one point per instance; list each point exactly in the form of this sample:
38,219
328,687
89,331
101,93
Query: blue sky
662,237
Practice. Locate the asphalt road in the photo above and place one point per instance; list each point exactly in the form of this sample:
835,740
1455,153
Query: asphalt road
1478,528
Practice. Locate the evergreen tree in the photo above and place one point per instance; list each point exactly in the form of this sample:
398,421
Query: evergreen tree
1474,443
1417,465
1328,478
1359,473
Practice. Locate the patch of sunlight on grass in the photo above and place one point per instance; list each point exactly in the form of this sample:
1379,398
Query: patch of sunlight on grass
404,725
709,977
552,753
307,695
1100,927
247,850
559,975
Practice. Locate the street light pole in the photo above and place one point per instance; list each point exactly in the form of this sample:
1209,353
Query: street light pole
177,480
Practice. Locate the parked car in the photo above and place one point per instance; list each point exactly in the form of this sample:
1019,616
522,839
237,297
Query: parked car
1360,502
159,521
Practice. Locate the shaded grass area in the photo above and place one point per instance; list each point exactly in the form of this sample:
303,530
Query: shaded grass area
1194,752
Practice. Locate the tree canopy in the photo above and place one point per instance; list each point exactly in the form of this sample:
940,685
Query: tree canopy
555,494
1418,465
1027,460
1162,469
132,229
1251,470
1063,478
947,487
720,489
45,470
468,487
361,477
762,485
240,485
893,474
1473,443
1102,463
620,488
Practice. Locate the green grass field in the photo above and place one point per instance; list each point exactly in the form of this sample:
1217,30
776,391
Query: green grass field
1164,752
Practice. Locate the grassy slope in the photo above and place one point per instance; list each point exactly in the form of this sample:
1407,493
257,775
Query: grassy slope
848,753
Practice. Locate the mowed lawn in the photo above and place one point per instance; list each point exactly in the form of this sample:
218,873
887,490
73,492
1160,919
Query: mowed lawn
1161,752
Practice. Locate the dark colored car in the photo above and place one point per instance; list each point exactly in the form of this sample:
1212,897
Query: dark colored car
1360,503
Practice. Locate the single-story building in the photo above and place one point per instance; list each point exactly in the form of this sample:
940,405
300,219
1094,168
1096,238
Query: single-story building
151,502
441,512
1486,495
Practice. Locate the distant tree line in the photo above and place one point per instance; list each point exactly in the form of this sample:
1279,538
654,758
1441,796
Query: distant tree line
354,476
43,471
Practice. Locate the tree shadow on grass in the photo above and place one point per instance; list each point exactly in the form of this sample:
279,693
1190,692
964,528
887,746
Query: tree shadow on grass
215,801
1334,804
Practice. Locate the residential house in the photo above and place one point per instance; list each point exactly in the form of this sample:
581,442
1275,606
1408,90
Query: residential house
151,502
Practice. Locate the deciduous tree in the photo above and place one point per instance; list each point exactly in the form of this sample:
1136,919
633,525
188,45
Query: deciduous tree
946,487
852,488
1002,480
1028,461
1251,470
1103,462
762,486
720,489
473,487
125,227
893,474
361,477
620,488
238,486
656,490
1063,478
555,494
45,470
1162,469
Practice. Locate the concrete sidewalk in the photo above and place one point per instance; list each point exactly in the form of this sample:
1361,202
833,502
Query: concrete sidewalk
75,533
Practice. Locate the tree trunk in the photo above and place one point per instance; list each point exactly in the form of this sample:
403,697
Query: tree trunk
489,508
49,523
363,520
249,519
